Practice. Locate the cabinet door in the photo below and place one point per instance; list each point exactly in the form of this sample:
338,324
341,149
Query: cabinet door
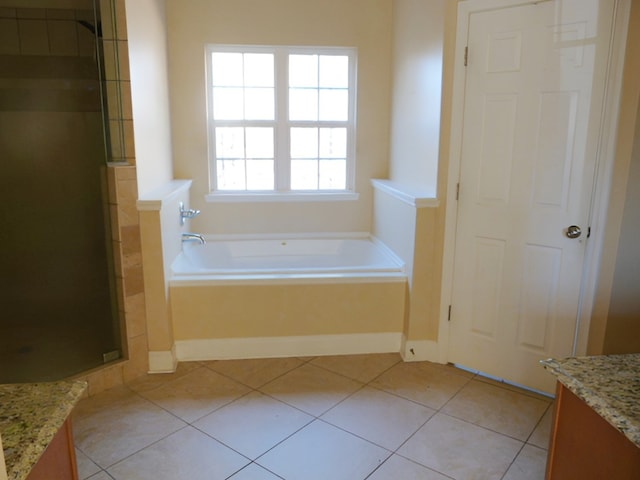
585,446
58,462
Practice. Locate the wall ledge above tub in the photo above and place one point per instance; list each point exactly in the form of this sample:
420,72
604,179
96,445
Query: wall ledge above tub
287,197
411,195
154,199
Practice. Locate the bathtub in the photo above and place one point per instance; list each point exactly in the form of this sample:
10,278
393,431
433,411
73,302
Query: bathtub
286,257
284,296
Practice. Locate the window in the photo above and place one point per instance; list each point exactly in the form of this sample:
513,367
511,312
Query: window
281,119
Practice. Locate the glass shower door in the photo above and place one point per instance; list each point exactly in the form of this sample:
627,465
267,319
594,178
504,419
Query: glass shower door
57,307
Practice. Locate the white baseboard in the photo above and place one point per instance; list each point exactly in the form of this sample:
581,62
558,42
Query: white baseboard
163,361
420,351
274,347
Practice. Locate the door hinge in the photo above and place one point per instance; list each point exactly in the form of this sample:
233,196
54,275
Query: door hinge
466,55
449,316
457,191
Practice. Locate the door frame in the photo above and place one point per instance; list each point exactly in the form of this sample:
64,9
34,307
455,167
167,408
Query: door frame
603,175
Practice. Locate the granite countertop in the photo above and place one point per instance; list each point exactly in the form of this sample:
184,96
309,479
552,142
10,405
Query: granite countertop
610,384
30,416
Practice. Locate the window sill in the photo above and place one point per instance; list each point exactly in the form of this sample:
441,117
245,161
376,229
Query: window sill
280,197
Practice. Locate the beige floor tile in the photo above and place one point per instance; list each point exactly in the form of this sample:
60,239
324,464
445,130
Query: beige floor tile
196,394
253,424
118,423
256,372
461,450
320,452
530,464
188,454
450,367
363,368
86,467
513,388
421,382
101,476
377,416
542,433
498,409
254,472
155,380
311,389
399,468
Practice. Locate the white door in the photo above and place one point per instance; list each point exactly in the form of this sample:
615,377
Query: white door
532,113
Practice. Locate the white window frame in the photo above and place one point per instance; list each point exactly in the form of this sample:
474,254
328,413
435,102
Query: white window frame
282,125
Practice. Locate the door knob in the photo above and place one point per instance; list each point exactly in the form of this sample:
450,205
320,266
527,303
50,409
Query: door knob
573,231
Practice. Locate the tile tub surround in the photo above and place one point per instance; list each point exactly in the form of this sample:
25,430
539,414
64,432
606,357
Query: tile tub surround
610,384
30,416
349,417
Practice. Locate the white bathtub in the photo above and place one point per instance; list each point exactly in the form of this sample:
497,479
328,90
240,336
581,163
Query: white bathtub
286,257
286,296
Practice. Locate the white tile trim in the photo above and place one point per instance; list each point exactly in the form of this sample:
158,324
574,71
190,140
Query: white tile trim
163,361
420,351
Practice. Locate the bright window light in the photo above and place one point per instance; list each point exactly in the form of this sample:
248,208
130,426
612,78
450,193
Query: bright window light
281,119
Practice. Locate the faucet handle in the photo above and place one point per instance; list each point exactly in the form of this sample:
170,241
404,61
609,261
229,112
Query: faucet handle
187,213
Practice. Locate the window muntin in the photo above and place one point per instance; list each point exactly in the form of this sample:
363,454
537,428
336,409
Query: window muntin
281,119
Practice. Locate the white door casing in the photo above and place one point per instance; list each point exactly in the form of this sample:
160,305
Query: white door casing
528,124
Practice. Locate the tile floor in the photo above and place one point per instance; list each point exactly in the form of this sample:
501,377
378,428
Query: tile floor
332,418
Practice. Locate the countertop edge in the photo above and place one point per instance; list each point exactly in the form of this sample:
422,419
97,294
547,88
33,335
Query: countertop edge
31,453
593,399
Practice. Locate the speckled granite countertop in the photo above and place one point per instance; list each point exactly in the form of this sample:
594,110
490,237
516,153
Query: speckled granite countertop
30,416
610,384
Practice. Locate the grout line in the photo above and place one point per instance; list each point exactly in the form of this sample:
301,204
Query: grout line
318,417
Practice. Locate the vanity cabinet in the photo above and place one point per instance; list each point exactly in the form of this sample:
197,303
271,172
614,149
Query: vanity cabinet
585,446
35,428
596,425
58,462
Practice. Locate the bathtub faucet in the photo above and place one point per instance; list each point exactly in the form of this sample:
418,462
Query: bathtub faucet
193,237
186,213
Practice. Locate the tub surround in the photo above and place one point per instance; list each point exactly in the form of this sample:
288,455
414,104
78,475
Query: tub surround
30,417
596,427
160,233
310,295
200,318
413,211
415,197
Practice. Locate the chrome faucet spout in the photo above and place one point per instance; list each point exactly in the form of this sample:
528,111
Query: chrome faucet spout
193,237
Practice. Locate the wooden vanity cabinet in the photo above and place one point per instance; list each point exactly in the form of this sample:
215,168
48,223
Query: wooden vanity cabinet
58,462
585,446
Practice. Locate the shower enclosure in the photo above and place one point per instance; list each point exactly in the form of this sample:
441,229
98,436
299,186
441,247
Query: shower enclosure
58,315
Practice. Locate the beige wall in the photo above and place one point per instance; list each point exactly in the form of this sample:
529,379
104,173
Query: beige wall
623,324
417,85
365,24
146,24
608,323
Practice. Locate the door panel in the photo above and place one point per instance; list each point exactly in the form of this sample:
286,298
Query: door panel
533,101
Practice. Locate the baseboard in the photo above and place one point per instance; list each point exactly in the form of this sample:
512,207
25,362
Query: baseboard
274,347
163,361
420,351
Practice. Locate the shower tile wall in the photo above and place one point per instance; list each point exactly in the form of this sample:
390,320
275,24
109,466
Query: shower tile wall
48,60
122,196
45,31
